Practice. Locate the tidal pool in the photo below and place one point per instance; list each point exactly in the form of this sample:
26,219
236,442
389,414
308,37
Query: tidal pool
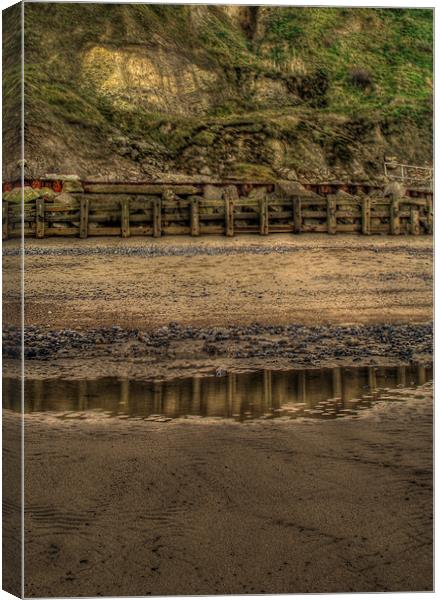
265,394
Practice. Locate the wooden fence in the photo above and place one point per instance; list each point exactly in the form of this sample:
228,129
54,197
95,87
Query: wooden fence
413,175
152,210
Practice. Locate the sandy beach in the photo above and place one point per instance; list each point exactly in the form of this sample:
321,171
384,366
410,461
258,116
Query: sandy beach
178,306
118,506
124,507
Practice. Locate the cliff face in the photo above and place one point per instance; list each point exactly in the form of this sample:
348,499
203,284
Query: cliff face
156,92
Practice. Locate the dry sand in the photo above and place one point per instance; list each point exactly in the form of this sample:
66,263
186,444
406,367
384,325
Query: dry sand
308,279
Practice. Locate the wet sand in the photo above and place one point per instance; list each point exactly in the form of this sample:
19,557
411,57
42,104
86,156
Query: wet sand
127,507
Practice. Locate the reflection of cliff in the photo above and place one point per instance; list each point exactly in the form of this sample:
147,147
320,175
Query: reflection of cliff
313,392
149,91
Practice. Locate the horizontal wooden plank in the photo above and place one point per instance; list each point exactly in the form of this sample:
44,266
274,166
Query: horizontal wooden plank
281,228
346,214
61,218
61,231
93,230
141,188
141,218
306,228
283,214
137,230
314,214
212,229
175,229
347,227
48,208
211,217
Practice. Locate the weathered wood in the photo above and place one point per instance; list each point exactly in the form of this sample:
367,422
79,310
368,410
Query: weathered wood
61,231
176,229
421,375
366,216
297,218
331,214
133,188
429,216
5,221
39,217
140,230
372,379
194,216
94,230
348,227
157,217
395,217
264,216
230,196
125,218
414,222
84,217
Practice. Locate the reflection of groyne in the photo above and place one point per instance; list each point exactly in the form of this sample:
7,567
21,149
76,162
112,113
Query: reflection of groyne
317,392
74,208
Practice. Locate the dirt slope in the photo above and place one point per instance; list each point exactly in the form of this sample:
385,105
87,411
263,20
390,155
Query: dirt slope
143,91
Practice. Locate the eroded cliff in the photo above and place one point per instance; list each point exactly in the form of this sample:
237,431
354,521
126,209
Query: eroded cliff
173,92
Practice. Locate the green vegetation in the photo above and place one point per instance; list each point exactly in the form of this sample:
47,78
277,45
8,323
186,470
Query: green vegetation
393,47
268,72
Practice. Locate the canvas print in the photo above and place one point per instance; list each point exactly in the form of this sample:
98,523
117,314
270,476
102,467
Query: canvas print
217,299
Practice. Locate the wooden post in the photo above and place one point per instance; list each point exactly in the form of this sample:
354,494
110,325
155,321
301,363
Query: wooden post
39,217
331,214
38,395
157,397
366,216
5,224
337,382
401,376
125,217
415,223
429,216
124,393
264,216
230,196
372,379
394,217
157,217
230,394
297,215
196,395
82,395
302,395
421,374
194,213
267,389
84,217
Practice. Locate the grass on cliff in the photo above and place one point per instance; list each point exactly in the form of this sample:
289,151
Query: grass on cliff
374,59
375,63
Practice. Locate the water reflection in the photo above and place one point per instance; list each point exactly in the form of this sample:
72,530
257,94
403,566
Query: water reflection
318,393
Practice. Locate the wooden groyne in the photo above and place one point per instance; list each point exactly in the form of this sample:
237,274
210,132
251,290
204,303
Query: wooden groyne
83,209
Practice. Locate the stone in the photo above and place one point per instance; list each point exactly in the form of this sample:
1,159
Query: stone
394,190
60,177
66,199
72,186
292,188
212,192
15,195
